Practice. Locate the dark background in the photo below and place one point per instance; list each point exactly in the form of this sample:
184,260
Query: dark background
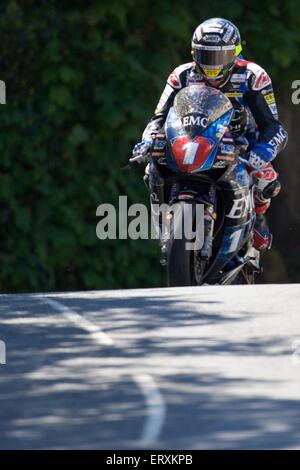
82,79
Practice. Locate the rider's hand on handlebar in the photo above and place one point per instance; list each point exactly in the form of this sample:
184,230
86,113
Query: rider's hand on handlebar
259,157
141,151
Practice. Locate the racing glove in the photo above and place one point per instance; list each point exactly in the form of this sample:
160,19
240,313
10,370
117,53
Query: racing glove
259,157
141,151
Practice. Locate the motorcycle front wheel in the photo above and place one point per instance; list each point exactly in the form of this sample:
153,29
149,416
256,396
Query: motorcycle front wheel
184,267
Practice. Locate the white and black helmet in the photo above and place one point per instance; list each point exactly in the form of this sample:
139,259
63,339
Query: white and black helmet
216,44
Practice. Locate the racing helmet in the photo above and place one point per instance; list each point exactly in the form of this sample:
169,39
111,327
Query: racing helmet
216,44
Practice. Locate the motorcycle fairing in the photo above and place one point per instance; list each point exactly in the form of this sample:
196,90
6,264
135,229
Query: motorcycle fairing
191,155
235,188
180,142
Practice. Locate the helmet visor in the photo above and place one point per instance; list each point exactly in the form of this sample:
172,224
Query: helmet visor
214,56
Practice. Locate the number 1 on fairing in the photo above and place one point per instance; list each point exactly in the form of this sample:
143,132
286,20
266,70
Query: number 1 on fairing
235,240
190,152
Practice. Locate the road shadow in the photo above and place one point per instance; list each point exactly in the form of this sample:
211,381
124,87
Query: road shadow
59,389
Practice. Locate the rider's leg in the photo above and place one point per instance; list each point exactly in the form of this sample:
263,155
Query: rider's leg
152,178
155,185
266,186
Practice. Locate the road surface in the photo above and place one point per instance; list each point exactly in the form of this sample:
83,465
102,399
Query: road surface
191,368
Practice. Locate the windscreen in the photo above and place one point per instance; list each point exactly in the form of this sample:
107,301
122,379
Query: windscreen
200,105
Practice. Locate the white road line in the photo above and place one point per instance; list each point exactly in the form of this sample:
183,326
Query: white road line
98,335
156,407
156,410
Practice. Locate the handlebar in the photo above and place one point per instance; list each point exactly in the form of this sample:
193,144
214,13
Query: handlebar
242,155
133,164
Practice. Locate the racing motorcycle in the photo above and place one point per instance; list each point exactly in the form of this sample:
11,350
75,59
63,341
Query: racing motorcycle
186,172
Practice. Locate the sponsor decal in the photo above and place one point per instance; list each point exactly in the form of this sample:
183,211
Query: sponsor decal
270,98
193,81
221,131
214,48
213,28
273,109
234,94
191,155
211,38
211,73
238,77
228,33
228,149
240,207
220,164
269,174
195,121
279,138
261,81
256,161
174,80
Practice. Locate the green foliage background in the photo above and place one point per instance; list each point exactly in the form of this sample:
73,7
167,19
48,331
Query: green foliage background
82,79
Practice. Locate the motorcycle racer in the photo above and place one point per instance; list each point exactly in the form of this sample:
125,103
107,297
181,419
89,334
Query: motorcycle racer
217,62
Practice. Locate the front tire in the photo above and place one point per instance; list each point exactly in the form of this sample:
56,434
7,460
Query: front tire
184,266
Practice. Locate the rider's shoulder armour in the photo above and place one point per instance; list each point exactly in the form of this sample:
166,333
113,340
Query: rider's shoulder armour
177,78
258,79
252,74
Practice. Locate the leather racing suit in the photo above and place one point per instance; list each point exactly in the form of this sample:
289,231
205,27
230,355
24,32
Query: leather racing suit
250,91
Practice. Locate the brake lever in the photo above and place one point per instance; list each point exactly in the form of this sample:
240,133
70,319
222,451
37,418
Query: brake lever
126,167
133,164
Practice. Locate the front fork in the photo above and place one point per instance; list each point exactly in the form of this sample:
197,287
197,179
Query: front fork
155,185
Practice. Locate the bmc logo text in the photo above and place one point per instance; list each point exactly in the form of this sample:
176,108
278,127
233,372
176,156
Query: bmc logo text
194,121
240,207
279,138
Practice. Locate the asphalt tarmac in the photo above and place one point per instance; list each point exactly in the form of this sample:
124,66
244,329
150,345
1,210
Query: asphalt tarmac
181,368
